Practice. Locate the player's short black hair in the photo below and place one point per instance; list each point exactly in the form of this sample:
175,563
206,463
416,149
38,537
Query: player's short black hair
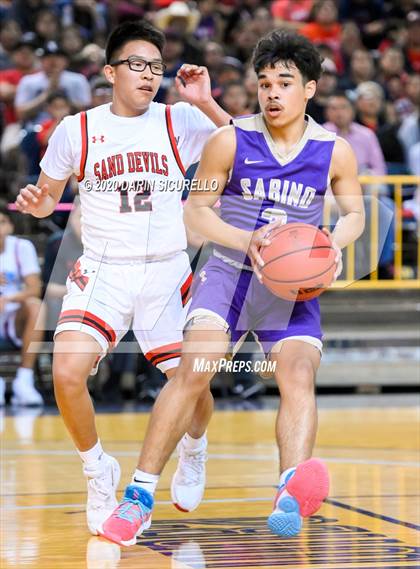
131,31
288,47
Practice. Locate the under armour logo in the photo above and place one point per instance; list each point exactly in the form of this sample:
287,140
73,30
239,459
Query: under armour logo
98,138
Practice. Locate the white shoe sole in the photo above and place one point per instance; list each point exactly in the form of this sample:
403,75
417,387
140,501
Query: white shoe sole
19,402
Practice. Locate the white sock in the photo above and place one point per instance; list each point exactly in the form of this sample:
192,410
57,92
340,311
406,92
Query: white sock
285,474
146,481
25,374
194,444
93,454
283,478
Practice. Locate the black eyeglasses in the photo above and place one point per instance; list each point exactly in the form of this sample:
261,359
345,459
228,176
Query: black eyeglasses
138,65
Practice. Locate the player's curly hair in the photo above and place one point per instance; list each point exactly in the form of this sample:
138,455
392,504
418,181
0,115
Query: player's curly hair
132,31
288,47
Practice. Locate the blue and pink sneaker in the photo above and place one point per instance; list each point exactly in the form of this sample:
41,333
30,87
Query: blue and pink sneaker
130,518
300,496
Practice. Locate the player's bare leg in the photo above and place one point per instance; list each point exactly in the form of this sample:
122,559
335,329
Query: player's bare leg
202,414
171,417
29,324
296,365
303,481
203,410
70,372
175,407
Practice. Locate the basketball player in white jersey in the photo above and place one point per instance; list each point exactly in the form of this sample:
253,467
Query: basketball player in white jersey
134,267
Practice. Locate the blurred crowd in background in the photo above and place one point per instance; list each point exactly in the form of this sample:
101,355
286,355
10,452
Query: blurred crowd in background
52,54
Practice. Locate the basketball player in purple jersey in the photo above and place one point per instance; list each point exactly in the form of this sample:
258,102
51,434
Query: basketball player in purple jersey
272,166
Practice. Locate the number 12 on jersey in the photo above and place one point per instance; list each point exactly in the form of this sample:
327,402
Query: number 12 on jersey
141,200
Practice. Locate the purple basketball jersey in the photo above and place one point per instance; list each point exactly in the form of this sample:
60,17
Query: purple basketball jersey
265,186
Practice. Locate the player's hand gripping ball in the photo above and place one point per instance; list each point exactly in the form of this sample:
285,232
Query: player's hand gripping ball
300,262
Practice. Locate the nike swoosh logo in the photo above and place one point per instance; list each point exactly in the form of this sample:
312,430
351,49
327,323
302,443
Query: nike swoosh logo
248,161
141,481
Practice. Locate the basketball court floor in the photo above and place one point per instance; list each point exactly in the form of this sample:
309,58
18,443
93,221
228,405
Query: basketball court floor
370,520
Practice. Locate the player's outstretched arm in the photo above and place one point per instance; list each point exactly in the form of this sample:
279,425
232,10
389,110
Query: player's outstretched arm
40,200
348,194
193,84
209,183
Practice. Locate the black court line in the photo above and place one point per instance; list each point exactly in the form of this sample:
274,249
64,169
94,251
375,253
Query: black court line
372,514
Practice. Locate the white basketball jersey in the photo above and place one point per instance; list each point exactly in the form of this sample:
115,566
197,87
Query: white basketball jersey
130,184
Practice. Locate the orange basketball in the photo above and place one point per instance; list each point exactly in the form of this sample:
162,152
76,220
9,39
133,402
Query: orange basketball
299,262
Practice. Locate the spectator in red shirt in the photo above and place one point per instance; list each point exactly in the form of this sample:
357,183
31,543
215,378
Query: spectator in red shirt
294,12
324,27
24,60
58,107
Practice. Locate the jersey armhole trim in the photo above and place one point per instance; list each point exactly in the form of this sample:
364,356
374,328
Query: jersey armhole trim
83,157
172,139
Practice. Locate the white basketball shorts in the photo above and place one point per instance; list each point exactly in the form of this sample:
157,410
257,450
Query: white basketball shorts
105,299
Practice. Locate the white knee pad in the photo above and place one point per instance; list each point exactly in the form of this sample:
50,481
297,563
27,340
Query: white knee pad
206,319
